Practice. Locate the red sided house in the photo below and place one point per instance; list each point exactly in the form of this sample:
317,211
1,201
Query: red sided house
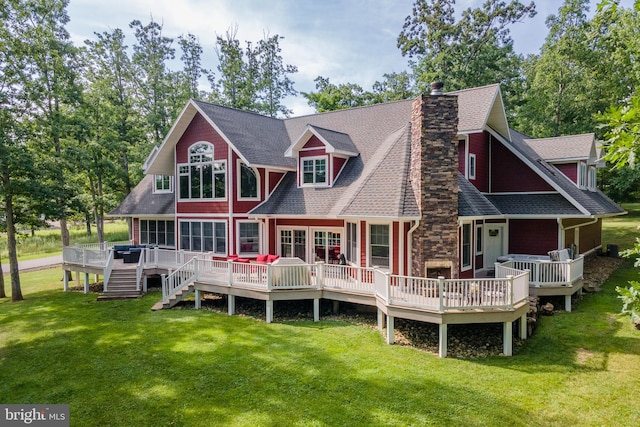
433,186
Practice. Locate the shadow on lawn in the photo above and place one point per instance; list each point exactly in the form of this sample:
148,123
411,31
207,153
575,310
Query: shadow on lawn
117,363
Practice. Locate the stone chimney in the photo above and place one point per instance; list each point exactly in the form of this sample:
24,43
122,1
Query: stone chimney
434,170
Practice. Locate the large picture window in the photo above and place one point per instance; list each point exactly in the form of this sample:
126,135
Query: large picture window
314,171
155,232
202,177
203,236
379,245
248,182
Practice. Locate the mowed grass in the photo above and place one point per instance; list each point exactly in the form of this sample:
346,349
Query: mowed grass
117,363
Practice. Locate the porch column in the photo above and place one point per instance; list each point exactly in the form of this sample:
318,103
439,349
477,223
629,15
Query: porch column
197,297
390,329
507,339
65,280
86,283
231,304
523,327
380,320
567,303
442,340
269,310
316,309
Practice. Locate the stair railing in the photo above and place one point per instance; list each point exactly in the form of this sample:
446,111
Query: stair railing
140,268
175,281
107,270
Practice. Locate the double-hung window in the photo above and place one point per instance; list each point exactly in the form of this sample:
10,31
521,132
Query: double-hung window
466,246
249,235
352,242
379,245
314,171
162,184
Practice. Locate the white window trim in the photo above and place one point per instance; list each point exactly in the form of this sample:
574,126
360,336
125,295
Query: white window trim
312,243
239,164
358,243
178,237
479,229
391,248
301,171
162,191
592,178
472,161
238,247
582,175
464,267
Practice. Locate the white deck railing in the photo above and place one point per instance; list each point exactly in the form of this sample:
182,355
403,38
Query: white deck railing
545,273
84,257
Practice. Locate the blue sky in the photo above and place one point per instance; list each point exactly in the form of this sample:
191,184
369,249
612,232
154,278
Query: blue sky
348,41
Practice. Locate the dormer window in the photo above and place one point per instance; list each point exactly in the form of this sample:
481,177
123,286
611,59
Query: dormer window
162,184
314,171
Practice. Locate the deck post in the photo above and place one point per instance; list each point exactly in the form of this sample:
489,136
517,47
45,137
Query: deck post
320,275
441,300
144,284
380,320
442,340
390,329
231,304
198,302
65,280
507,339
567,303
230,264
316,309
523,327
269,310
77,278
336,307
86,283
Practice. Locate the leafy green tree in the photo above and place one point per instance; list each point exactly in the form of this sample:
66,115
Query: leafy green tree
331,97
191,58
274,83
475,50
394,87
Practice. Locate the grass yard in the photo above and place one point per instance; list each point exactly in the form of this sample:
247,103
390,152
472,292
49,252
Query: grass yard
119,364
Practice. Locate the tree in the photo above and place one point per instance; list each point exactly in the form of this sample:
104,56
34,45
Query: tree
331,97
394,87
192,64
474,51
151,52
274,83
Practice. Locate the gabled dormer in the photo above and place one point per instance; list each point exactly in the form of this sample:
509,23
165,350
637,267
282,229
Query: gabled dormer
320,154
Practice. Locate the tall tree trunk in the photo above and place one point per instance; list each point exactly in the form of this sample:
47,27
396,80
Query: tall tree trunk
87,221
3,293
100,212
16,291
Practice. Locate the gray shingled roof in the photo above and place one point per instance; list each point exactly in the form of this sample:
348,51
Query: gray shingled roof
533,204
338,140
261,140
143,201
563,147
594,202
472,202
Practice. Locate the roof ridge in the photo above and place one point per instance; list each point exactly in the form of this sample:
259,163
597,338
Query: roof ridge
360,107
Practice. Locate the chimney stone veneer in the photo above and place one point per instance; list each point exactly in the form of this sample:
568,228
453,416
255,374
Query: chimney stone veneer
433,173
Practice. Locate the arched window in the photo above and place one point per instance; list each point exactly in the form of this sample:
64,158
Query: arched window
203,177
248,182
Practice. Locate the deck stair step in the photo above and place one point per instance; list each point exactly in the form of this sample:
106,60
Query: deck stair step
122,285
174,299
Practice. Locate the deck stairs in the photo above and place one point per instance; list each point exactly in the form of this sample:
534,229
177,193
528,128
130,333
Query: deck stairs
122,285
174,299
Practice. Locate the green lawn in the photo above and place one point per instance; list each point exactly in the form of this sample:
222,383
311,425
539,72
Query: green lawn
117,363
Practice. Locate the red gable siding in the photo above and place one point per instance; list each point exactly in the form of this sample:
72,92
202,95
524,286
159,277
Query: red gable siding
479,145
313,142
533,237
274,180
509,173
338,163
570,170
200,130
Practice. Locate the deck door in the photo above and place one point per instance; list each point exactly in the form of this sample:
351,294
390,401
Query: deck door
327,246
494,243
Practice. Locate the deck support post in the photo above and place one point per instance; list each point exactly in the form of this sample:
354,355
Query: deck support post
231,304
336,307
77,278
523,327
442,340
269,310
86,283
380,319
198,303
390,330
65,280
507,339
567,303
144,284
316,309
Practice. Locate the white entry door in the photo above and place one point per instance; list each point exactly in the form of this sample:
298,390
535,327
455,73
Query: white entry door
495,243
